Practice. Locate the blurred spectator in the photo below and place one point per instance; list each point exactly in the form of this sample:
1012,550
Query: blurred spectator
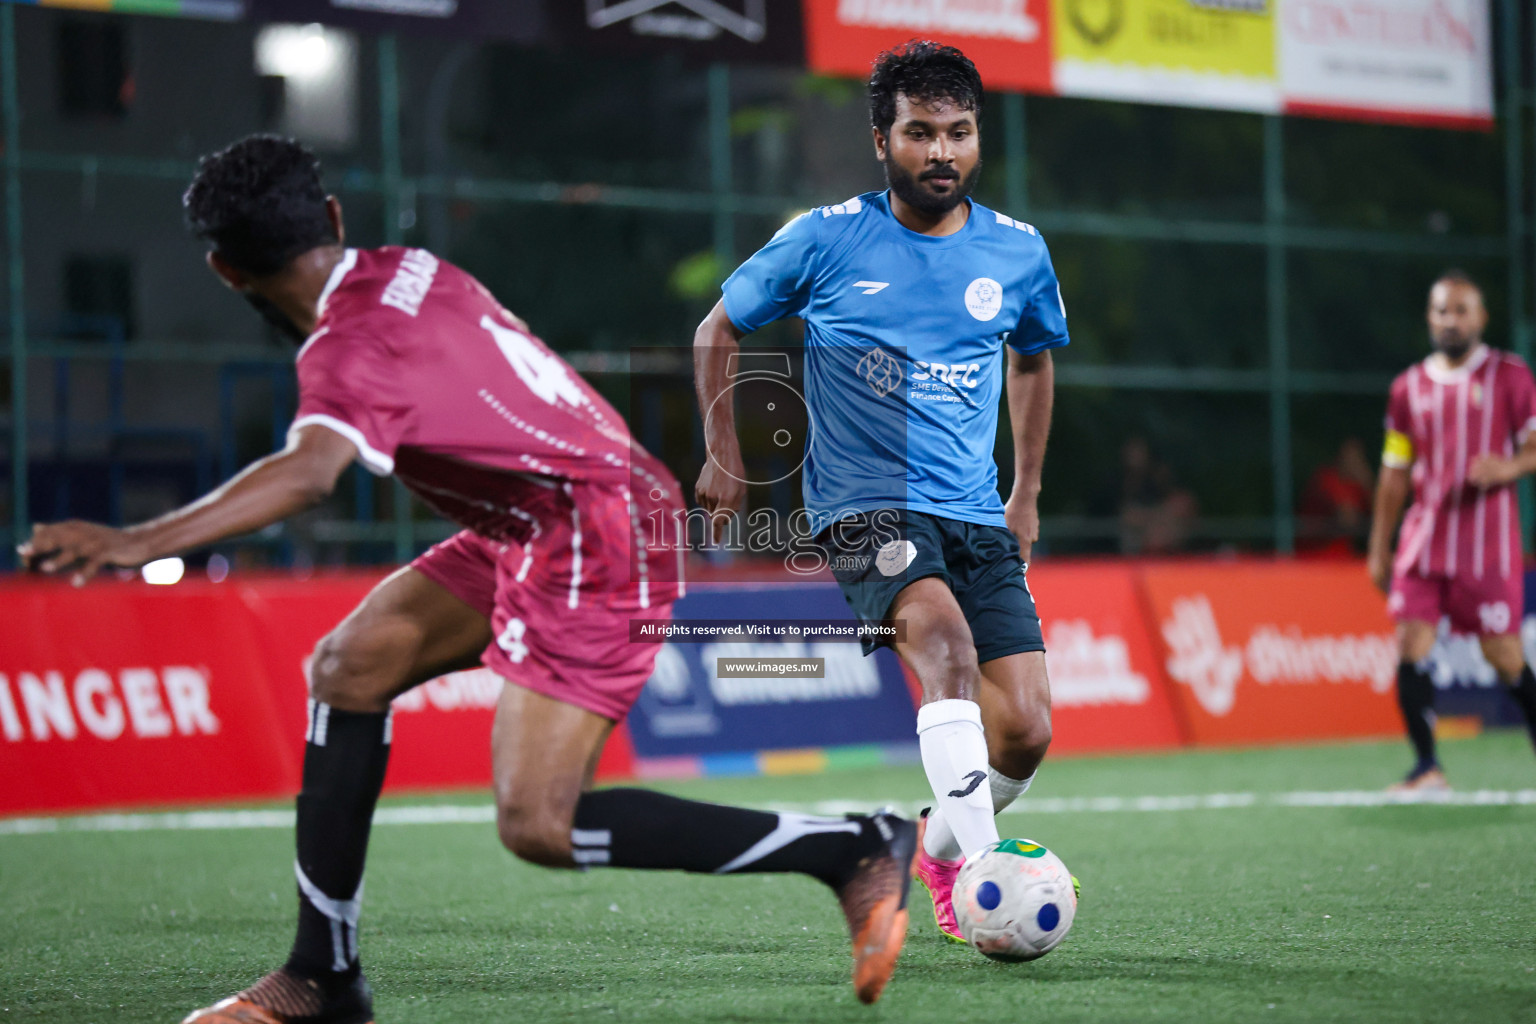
1335,509
1156,514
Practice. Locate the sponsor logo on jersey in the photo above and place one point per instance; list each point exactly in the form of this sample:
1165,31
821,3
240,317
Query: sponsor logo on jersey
872,287
953,374
984,298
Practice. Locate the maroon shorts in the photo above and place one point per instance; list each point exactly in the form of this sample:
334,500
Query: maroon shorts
560,606
1489,606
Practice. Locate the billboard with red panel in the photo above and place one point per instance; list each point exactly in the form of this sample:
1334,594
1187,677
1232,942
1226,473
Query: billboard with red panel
1010,42
1107,688
122,694
125,694
1267,652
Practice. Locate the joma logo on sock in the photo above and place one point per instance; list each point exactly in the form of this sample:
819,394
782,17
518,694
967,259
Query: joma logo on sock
977,778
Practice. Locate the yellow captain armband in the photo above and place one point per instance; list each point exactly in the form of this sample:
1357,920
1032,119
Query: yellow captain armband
1397,453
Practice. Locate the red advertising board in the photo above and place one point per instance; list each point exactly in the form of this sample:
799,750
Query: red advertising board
123,694
1009,40
1107,689
1266,652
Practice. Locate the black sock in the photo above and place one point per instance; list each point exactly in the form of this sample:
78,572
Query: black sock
1416,698
1524,692
344,762
637,828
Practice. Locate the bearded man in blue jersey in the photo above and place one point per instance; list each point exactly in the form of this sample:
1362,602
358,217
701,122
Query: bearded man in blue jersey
910,297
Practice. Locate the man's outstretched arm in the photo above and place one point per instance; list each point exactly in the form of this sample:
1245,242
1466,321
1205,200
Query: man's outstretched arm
1031,393
720,490
265,492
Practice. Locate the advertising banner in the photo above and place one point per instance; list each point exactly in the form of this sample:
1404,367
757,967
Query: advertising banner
1268,652
1010,40
1107,687
1412,61
698,30
121,694
688,709
1202,53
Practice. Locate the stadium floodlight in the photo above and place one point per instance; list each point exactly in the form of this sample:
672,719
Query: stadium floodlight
164,571
316,66
295,51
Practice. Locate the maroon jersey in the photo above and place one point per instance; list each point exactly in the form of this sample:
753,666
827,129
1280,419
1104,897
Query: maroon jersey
418,365
1438,422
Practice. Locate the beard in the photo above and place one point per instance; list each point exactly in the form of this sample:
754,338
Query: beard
274,316
908,188
1451,344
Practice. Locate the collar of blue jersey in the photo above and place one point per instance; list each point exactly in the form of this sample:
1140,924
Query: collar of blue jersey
934,241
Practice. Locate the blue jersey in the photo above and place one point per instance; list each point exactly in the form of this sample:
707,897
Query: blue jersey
904,336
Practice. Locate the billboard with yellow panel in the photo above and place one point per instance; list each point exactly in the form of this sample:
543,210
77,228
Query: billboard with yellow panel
1206,53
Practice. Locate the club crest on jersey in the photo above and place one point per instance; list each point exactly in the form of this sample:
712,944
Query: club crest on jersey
984,298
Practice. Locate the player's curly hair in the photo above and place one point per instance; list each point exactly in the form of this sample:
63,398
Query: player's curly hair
922,70
260,203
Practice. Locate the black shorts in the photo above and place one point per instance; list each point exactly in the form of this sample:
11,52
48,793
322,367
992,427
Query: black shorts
875,554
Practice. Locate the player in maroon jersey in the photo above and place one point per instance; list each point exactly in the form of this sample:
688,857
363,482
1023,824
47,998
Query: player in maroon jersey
1461,429
412,368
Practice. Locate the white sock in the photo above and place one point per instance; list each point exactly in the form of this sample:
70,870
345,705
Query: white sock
939,839
954,753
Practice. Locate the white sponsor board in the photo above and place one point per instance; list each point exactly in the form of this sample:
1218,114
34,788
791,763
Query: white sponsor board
1414,60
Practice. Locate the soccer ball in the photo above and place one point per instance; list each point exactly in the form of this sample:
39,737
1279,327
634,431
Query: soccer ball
1014,900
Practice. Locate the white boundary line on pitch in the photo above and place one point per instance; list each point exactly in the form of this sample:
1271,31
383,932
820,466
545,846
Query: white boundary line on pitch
480,814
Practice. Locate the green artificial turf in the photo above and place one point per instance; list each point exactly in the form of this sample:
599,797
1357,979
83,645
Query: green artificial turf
1263,912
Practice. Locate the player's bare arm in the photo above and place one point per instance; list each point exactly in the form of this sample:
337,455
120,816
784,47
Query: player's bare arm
1498,470
720,490
1031,391
1392,489
265,492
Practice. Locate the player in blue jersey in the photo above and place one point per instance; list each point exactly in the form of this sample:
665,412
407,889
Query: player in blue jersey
910,297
